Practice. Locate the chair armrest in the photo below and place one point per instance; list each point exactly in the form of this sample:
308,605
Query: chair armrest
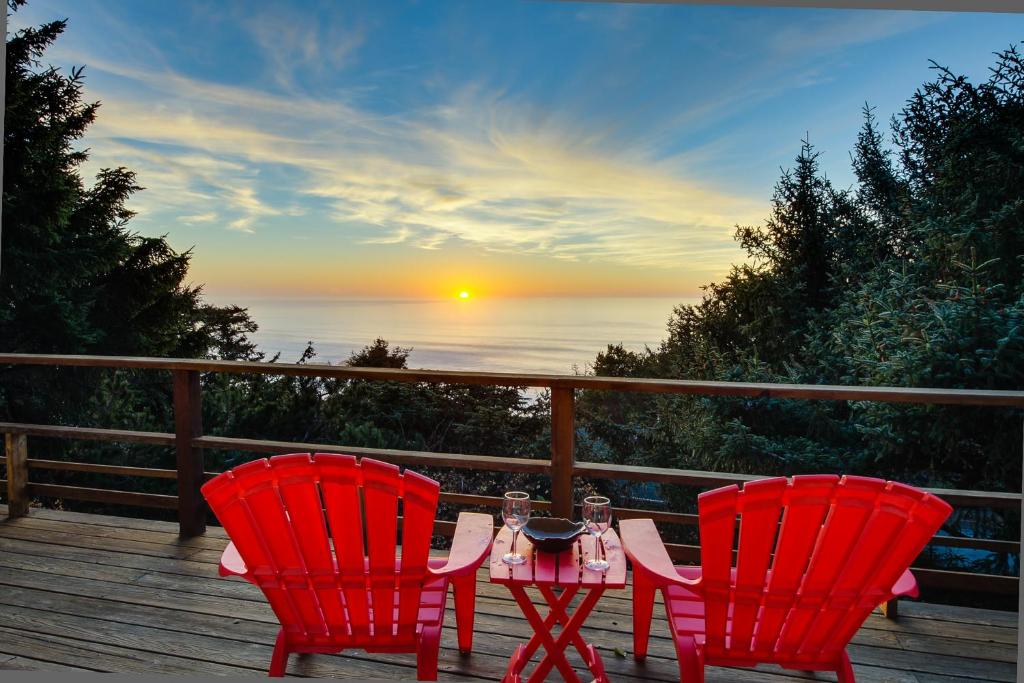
471,544
905,586
645,549
231,563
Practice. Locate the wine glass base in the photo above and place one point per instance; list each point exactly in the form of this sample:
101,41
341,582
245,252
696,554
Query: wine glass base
597,565
513,558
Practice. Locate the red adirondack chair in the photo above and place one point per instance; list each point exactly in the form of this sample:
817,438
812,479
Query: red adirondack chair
799,589
318,534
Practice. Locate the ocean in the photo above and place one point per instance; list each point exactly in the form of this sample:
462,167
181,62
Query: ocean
536,335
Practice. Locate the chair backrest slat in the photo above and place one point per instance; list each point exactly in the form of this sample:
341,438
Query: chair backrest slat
419,501
341,482
841,546
717,531
298,483
298,523
852,505
382,487
250,507
903,522
807,502
759,525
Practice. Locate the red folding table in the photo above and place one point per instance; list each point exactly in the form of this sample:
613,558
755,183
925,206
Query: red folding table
548,571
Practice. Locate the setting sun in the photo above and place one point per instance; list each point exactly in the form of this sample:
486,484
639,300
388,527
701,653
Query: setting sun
463,294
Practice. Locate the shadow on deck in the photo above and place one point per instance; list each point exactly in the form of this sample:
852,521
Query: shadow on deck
126,595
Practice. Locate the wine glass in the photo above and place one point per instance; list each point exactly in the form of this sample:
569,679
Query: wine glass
597,515
515,510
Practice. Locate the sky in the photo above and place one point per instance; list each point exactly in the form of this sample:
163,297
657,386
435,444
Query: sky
419,148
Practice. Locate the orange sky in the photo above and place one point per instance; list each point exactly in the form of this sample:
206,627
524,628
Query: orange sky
440,273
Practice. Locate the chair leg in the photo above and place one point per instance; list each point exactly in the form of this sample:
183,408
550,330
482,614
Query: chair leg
279,660
465,605
643,610
845,670
691,660
426,653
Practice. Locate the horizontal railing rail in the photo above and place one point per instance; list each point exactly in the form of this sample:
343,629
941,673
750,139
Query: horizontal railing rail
828,392
190,442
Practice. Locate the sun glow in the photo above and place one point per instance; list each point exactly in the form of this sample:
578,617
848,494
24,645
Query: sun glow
463,294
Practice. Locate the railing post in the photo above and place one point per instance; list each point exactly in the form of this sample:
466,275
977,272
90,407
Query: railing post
188,425
1020,592
17,474
563,450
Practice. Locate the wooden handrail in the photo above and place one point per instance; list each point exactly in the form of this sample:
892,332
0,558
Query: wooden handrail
675,518
980,397
664,475
95,468
152,500
88,433
587,470
189,441
398,457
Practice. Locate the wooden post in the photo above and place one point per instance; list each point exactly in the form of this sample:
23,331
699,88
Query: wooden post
188,425
891,608
563,451
1020,604
17,475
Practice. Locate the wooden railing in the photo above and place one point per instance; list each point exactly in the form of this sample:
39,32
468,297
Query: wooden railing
189,443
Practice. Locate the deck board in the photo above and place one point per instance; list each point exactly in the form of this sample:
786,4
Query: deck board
102,593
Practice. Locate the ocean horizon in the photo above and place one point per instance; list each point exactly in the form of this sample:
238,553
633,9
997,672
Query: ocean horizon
556,335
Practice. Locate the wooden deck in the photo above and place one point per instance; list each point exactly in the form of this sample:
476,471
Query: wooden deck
126,595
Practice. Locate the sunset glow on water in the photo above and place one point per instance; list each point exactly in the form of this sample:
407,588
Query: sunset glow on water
499,335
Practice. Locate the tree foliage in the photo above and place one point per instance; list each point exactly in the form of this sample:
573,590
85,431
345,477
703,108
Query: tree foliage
911,278
73,278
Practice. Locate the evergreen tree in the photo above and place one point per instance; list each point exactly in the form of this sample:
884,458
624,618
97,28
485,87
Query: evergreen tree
380,355
74,279
882,194
913,278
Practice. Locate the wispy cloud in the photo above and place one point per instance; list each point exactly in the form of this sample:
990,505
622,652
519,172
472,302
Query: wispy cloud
479,168
500,184
293,42
199,218
472,163
611,17
831,33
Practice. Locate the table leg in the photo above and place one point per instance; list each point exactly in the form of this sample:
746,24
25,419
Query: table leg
571,631
558,611
552,618
555,653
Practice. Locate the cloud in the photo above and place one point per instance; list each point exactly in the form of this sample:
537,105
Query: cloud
475,166
199,218
481,168
397,237
834,32
594,134
294,43
611,17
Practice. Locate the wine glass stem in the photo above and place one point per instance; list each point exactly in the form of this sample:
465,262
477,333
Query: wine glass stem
515,534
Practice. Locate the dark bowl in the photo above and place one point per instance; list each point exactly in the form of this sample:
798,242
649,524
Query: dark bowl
553,534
